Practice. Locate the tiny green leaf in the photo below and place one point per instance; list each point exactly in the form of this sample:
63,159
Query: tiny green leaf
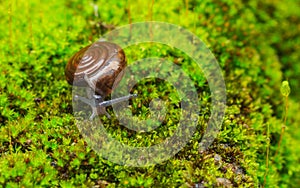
285,88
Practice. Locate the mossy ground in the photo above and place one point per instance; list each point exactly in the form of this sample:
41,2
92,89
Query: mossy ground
255,42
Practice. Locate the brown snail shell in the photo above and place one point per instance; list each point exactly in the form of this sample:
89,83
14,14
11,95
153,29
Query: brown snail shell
101,62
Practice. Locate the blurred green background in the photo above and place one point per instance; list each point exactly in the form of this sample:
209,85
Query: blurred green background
255,42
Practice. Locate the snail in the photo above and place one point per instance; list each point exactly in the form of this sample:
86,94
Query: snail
99,68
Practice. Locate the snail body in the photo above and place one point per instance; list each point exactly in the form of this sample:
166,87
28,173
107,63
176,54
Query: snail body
98,67
101,62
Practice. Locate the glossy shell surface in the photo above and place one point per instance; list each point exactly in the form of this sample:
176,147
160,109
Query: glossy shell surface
102,63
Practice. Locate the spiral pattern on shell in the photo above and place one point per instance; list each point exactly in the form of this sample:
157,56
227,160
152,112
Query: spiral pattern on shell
101,61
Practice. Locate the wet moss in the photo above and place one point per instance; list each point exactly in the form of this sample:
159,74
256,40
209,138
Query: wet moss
255,43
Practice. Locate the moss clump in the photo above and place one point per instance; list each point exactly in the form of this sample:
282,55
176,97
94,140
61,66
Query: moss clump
255,42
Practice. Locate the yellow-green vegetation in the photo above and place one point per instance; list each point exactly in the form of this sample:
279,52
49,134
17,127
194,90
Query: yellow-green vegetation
257,46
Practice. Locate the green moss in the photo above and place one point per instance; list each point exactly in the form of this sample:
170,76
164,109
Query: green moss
255,42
